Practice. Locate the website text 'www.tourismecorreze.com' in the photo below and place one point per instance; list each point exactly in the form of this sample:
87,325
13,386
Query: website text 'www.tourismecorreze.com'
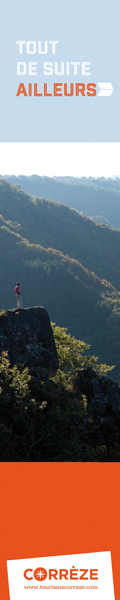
61,587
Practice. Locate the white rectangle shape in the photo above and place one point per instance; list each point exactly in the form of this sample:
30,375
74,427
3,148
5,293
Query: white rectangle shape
105,92
71,574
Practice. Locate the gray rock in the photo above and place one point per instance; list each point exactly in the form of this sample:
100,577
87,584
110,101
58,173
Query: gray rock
28,338
102,394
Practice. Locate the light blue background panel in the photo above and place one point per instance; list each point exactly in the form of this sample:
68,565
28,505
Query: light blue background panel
87,31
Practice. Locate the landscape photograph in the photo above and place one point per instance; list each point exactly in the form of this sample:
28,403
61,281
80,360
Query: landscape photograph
60,313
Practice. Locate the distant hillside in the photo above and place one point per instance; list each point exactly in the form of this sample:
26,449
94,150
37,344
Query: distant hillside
103,221
91,196
53,225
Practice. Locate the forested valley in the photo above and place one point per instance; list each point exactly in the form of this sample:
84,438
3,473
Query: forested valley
97,198
64,262
70,265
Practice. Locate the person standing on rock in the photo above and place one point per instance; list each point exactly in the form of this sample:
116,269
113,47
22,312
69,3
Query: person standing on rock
18,295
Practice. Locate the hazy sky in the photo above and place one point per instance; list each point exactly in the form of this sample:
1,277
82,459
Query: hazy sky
60,159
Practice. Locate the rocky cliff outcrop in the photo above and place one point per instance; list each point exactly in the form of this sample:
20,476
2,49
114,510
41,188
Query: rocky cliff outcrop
102,394
27,337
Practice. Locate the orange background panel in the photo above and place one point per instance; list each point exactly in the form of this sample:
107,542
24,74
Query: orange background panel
59,508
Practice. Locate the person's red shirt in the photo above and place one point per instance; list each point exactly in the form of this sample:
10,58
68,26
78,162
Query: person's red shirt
17,289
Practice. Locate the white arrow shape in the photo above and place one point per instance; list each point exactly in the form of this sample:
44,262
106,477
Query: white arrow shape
106,89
